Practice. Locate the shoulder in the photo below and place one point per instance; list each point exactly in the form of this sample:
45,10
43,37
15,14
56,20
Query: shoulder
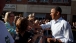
6,23
1,22
51,21
65,23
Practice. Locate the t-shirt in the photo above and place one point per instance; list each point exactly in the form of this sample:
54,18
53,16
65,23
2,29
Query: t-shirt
23,39
11,29
5,36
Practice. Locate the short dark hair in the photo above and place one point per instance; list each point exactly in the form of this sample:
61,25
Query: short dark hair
58,9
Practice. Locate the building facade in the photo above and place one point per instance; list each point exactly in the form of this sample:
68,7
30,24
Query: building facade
41,8
73,10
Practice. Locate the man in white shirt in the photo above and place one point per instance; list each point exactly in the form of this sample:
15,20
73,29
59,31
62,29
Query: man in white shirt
61,29
5,36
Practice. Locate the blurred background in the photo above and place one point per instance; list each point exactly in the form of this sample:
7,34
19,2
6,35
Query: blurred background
41,9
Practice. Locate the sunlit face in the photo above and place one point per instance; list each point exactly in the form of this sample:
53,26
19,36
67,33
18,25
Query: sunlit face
53,13
11,17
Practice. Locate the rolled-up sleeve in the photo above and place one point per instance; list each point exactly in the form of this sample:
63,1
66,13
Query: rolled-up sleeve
67,32
47,25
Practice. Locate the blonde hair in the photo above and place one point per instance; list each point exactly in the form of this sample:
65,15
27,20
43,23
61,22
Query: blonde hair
7,14
36,21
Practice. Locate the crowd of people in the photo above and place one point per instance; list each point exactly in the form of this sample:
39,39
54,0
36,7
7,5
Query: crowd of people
19,27
22,29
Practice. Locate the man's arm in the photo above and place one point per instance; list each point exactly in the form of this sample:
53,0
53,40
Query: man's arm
37,26
68,36
67,33
34,25
43,26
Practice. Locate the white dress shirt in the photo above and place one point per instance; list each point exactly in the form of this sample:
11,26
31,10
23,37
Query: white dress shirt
5,36
61,29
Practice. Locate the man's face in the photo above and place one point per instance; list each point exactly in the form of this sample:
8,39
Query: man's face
2,4
53,13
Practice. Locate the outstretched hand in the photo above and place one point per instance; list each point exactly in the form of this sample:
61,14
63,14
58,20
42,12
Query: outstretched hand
50,40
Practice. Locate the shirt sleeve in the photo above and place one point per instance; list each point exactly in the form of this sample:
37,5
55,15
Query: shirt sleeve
47,25
67,33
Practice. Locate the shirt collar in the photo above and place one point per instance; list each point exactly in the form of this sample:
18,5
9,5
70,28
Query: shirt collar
58,20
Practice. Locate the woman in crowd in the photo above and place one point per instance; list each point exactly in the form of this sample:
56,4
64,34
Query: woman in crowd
9,23
22,29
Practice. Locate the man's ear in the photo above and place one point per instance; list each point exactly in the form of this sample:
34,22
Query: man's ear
58,13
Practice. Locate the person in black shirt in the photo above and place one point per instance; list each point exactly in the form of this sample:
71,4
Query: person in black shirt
22,29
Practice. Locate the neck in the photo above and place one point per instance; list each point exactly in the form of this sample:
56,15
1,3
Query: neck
11,23
57,17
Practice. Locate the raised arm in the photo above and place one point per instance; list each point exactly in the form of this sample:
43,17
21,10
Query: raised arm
43,26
